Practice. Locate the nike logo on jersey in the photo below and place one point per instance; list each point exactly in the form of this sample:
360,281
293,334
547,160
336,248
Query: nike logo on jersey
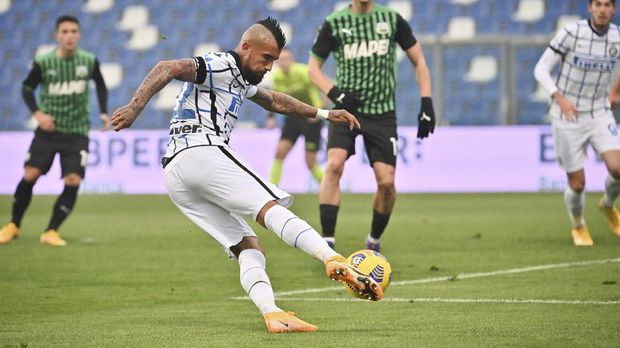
425,117
347,31
366,49
340,98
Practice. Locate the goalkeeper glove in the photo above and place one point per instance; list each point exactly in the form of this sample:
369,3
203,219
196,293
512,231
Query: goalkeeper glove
426,118
344,100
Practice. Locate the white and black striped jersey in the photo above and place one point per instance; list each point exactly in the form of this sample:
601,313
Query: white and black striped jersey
206,111
588,58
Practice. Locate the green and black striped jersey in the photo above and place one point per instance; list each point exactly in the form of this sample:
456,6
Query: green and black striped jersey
64,89
364,47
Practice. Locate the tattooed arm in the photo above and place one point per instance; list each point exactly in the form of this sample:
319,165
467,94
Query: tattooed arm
286,105
157,78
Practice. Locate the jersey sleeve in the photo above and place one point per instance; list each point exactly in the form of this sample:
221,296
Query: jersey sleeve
29,85
562,41
404,35
325,42
250,91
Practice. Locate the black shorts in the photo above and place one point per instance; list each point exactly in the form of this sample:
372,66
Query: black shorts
296,126
73,150
379,134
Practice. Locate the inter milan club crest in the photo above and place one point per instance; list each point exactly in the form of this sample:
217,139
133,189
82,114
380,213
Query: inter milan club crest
81,71
613,51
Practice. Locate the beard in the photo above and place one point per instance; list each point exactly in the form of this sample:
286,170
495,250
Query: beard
252,77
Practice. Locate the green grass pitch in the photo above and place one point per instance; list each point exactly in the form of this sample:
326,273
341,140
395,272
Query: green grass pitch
138,273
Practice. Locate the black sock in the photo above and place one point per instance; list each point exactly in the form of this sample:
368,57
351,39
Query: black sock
63,206
329,214
21,201
379,221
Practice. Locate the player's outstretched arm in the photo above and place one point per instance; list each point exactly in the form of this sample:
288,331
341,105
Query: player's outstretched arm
286,105
157,78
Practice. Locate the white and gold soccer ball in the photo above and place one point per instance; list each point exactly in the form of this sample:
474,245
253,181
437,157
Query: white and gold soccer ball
374,264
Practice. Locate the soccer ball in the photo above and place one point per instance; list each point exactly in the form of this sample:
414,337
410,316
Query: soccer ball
374,265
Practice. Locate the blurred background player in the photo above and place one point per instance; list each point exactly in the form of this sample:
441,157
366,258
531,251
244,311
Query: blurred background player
215,188
363,38
63,117
291,78
581,111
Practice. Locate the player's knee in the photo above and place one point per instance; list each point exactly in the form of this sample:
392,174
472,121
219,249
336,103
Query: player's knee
615,172
386,185
31,174
73,179
577,185
334,168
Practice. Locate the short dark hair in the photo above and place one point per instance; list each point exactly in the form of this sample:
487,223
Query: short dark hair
612,1
274,27
66,18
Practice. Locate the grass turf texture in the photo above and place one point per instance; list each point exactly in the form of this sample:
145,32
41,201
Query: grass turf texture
136,272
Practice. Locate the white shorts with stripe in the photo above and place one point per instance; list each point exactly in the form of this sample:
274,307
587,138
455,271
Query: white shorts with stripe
572,138
215,189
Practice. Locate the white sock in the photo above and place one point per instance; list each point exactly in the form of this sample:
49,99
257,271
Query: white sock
575,202
297,233
612,190
372,240
255,281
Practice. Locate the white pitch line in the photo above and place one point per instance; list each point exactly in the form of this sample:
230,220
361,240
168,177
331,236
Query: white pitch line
452,300
279,294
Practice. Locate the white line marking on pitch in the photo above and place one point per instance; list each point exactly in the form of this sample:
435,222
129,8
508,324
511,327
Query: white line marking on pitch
452,300
462,276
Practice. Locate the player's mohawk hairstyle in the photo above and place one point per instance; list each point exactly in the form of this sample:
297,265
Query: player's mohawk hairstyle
274,27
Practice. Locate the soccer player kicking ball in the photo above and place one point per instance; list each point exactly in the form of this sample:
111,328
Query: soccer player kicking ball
581,111
213,187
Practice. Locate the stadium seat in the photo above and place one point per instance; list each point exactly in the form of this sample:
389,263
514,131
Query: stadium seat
529,11
166,97
283,5
482,69
97,6
143,39
42,49
403,7
565,20
134,17
5,5
463,2
112,74
287,29
341,4
461,28
204,48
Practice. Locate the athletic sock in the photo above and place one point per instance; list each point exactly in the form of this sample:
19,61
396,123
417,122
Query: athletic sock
297,233
21,201
329,215
255,281
379,222
64,205
575,202
276,171
317,173
612,190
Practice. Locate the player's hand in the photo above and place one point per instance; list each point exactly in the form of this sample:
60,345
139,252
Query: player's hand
270,123
45,121
426,118
568,109
343,116
344,100
106,121
124,116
